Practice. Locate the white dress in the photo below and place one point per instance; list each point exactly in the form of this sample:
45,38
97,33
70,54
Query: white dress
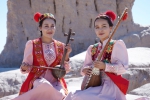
47,87
108,90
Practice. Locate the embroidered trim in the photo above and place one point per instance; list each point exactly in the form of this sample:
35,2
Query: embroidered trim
107,54
38,52
95,51
36,72
121,83
59,53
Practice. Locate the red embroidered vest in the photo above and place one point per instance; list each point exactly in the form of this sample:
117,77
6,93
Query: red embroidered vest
38,60
121,82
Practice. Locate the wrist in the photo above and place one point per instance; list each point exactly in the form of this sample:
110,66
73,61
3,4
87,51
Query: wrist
68,53
67,60
67,57
25,67
104,66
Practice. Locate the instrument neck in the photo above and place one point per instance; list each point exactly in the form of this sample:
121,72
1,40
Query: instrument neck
63,59
65,51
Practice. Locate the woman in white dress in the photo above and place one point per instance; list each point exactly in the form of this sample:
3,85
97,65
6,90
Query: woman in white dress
44,51
115,61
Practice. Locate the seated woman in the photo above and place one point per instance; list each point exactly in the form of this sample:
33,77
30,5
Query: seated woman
114,61
44,51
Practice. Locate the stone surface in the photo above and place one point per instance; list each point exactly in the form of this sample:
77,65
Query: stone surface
76,14
10,81
9,97
138,73
143,90
74,84
139,66
137,77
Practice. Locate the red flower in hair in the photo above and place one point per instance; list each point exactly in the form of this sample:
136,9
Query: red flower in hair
37,16
111,14
125,16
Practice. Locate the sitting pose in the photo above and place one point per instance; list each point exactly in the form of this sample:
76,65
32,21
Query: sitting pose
114,62
44,51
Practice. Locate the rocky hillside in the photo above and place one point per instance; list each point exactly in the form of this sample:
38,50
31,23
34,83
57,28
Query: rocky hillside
76,14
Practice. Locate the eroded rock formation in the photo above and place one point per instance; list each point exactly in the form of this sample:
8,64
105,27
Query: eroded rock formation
76,14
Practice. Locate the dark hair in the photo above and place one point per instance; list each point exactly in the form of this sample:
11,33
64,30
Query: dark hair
106,18
41,22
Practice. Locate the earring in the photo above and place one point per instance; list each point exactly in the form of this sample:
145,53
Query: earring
96,40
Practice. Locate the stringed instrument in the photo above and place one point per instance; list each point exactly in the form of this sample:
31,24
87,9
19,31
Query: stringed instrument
59,71
95,79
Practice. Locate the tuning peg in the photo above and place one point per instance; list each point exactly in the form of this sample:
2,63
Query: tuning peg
65,34
72,39
73,33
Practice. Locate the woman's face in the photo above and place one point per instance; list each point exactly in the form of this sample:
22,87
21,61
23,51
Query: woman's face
102,29
48,28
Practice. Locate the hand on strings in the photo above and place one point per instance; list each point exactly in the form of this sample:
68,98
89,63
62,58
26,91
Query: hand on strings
69,49
99,64
25,68
87,71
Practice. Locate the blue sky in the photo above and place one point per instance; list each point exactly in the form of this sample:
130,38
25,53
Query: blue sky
140,10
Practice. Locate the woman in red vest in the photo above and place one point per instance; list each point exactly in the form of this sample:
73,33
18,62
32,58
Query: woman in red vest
113,64
44,51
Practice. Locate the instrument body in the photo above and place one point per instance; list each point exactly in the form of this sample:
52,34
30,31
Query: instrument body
93,80
96,79
59,72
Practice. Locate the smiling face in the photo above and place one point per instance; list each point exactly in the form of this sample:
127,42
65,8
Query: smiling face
102,29
48,28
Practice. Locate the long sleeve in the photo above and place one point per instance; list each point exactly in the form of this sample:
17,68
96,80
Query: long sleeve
28,57
119,59
88,59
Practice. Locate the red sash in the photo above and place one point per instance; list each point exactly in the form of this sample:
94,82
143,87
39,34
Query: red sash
121,82
38,60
